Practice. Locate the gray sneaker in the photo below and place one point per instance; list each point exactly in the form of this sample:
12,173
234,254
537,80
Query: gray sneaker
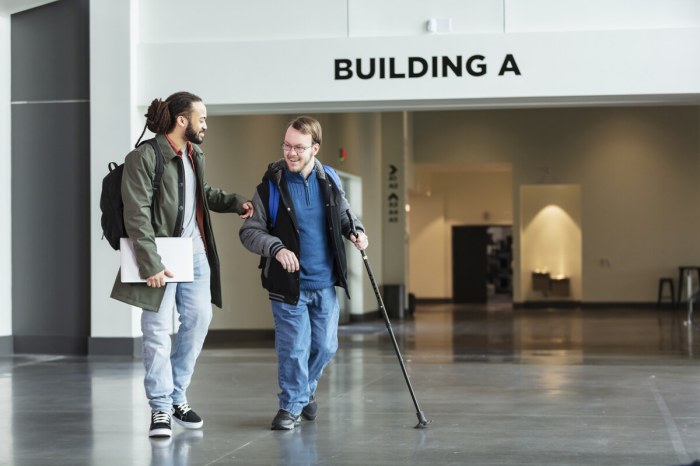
310,411
284,420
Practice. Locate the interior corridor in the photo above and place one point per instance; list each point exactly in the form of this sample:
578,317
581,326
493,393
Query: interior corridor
502,386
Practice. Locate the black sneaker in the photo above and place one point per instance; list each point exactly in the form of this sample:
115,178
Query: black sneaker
310,411
187,418
160,425
285,420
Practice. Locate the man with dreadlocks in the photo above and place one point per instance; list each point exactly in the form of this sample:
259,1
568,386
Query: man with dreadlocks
179,123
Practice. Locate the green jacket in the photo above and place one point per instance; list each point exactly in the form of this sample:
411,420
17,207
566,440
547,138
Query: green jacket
143,224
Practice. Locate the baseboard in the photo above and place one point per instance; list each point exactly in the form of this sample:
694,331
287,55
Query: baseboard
584,305
433,300
547,304
367,317
116,346
49,344
229,337
6,345
618,305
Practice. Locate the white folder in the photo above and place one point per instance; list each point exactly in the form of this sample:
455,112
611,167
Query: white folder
175,253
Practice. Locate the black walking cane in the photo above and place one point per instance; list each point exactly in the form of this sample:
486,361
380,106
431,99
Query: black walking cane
422,421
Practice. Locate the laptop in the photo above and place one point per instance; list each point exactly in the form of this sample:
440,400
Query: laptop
175,253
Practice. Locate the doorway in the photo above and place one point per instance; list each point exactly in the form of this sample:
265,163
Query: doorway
482,263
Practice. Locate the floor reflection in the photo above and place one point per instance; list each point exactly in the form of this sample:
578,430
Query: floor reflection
503,386
496,332
175,451
297,446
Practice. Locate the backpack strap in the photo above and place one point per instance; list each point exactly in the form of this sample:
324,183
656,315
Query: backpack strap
273,203
334,176
159,163
158,174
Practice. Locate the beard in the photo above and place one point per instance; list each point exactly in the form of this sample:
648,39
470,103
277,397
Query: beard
302,163
192,136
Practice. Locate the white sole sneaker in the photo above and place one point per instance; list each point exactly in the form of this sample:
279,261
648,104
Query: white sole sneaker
189,425
160,433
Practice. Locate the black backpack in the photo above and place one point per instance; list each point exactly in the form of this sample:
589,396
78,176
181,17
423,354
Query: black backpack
111,203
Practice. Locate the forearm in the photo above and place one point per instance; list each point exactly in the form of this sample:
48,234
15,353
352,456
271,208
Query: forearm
254,234
220,201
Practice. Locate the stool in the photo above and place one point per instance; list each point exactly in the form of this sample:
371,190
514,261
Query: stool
665,282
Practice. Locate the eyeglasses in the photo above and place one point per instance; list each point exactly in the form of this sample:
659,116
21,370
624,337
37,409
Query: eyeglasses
298,149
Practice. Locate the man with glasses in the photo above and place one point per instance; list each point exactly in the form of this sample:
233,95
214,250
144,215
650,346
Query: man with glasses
299,221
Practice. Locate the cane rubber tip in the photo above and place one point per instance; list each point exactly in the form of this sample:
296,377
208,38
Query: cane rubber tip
423,424
422,420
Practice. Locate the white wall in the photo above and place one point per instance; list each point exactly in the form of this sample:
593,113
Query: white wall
597,15
114,130
5,180
225,20
370,18
556,69
274,20
629,59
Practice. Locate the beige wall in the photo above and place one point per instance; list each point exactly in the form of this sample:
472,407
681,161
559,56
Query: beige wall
550,238
238,150
444,197
361,135
637,167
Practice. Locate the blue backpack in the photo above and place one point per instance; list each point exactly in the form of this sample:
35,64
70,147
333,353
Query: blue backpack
273,201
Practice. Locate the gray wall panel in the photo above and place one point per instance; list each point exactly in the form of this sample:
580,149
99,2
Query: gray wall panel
50,50
6,345
50,226
116,347
51,178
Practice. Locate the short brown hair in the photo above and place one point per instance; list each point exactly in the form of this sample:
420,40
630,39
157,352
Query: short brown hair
307,125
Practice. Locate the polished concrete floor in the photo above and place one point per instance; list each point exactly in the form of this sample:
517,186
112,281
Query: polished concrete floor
502,386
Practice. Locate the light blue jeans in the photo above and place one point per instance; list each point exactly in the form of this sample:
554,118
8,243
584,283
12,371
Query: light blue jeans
168,374
306,338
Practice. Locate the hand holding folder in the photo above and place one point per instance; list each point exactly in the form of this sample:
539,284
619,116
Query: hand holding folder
176,255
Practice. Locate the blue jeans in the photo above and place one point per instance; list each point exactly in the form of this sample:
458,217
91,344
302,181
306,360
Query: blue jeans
306,338
168,375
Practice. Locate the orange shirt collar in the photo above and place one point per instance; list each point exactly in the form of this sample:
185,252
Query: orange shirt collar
190,149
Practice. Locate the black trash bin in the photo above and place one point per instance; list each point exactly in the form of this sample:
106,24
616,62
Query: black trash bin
394,301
